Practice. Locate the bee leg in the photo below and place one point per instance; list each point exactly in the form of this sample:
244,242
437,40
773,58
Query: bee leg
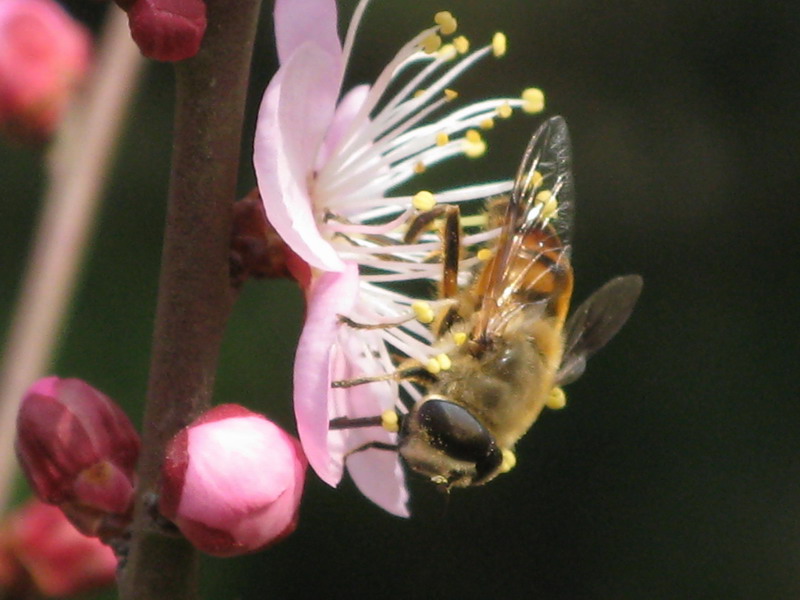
415,372
347,383
372,446
423,221
451,242
388,420
451,251
348,423
378,240
356,325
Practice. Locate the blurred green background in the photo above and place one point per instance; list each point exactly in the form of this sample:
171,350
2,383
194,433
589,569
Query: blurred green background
674,472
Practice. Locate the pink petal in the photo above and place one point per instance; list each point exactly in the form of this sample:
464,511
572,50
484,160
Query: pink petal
104,487
227,463
376,472
295,114
347,109
380,477
330,295
300,21
46,386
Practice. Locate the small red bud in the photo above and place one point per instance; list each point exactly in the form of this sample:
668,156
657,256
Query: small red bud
44,55
77,449
57,558
232,481
168,30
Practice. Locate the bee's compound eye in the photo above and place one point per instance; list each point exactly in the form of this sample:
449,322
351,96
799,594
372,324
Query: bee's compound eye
452,429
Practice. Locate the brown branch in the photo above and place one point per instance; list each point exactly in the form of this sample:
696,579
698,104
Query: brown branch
195,295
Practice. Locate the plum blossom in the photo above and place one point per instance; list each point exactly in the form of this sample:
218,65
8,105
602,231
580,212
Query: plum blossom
325,163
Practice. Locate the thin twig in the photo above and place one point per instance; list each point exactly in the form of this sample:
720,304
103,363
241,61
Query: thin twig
78,166
195,293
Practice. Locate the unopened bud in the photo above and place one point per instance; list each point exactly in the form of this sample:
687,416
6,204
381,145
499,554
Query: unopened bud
53,555
77,449
44,55
167,30
232,481
257,251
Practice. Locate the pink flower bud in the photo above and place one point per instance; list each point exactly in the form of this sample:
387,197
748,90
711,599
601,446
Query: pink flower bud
59,559
168,30
77,448
232,481
44,54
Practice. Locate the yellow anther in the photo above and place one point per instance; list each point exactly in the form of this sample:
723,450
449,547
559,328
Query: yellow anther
433,366
475,149
442,139
504,110
459,337
431,44
461,44
485,254
557,399
423,200
473,136
536,180
450,94
550,208
479,220
543,196
509,461
419,93
419,168
423,311
389,421
444,362
487,124
533,100
499,44
446,22
448,52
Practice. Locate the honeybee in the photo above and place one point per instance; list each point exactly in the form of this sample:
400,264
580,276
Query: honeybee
516,345
510,346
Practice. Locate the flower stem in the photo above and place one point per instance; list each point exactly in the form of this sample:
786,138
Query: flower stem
78,164
195,294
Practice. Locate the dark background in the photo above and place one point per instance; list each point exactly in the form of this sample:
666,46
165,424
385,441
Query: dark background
675,470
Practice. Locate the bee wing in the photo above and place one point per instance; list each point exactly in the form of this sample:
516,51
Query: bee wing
545,169
546,165
595,322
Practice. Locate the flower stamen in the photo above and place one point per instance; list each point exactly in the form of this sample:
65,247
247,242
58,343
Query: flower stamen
446,22
499,44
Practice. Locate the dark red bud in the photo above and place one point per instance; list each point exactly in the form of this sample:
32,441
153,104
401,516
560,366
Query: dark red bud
76,446
167,30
